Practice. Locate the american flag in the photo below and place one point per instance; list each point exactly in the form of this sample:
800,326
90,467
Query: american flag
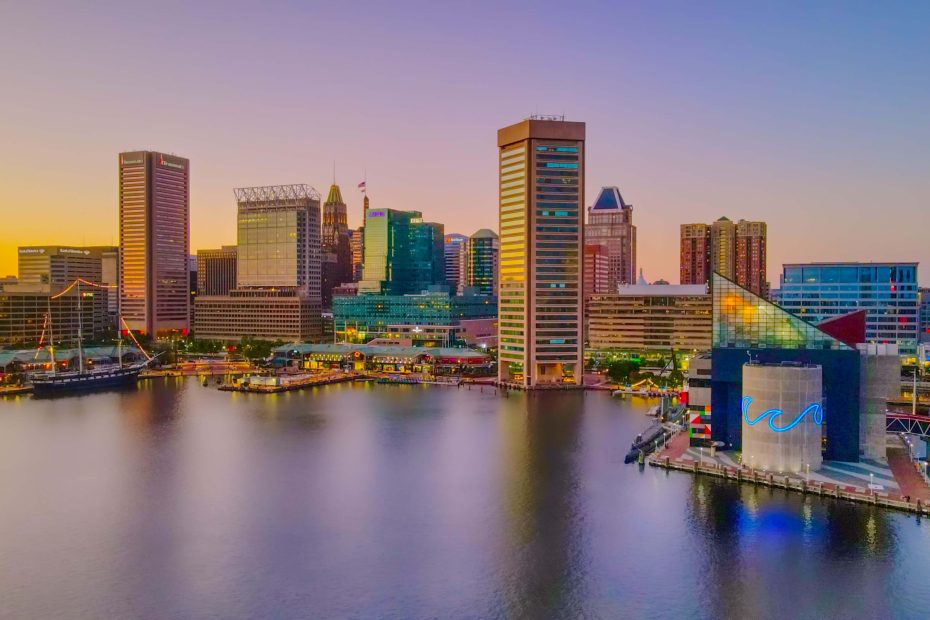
361,187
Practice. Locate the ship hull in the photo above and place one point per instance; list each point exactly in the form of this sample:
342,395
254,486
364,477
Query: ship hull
73,383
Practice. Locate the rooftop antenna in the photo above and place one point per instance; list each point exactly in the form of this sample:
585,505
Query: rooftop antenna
334,172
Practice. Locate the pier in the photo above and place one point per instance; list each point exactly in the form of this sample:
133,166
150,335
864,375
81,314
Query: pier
914,496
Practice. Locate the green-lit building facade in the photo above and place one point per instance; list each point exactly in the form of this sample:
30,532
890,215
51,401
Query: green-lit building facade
403,254
362,318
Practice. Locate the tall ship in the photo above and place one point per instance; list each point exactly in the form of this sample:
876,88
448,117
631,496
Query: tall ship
84,379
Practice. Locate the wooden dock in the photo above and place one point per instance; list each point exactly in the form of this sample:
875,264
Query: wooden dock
15,390
313,381
780,481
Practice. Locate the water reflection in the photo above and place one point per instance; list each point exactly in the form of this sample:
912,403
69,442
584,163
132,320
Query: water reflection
764,548
543,518
402,501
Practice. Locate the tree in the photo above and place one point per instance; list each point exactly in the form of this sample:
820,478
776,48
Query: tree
621,371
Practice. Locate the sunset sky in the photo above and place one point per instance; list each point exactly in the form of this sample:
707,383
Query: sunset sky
815,119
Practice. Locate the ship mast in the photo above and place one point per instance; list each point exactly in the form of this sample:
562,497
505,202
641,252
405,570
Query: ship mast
51,334
80,335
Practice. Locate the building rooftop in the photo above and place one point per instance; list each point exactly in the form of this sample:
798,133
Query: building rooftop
852,263
662,290
335,195
610,200
303,348
485,233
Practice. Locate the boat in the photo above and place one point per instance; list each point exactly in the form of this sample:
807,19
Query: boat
84,379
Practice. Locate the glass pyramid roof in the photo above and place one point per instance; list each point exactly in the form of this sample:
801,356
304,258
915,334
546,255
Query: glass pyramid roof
742,319
610,200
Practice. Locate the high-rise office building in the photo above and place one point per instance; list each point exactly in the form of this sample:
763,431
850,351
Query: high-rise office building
154,233
541,163
924,315
736,251
47,283
58,266
336,243
596,270
277,294
216,270
456,257
403,254
335,220
886,291
695,254
483,262
610,224
357,245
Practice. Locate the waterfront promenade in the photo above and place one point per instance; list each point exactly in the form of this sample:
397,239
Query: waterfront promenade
896,483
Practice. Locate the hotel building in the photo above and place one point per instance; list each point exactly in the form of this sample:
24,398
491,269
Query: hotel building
154,234
456,256
541,235
650,318
886,291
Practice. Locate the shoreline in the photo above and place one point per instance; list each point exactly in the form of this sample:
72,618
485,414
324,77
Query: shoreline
787,482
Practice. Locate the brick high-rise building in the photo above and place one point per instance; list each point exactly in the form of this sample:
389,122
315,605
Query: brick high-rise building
736,251
596,270
154,236
750,257
695,254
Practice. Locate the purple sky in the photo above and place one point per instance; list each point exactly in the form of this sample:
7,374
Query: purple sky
813,118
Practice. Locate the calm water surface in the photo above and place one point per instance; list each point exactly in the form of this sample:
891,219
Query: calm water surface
178,501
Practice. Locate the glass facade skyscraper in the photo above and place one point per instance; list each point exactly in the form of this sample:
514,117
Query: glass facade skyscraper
886,291
483,260
278,269
541,235
279,238
403,254
360,318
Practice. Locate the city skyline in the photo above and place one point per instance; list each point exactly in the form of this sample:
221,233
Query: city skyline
771,115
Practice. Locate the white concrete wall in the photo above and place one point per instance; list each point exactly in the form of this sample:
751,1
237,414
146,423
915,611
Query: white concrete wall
879,380
791,389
